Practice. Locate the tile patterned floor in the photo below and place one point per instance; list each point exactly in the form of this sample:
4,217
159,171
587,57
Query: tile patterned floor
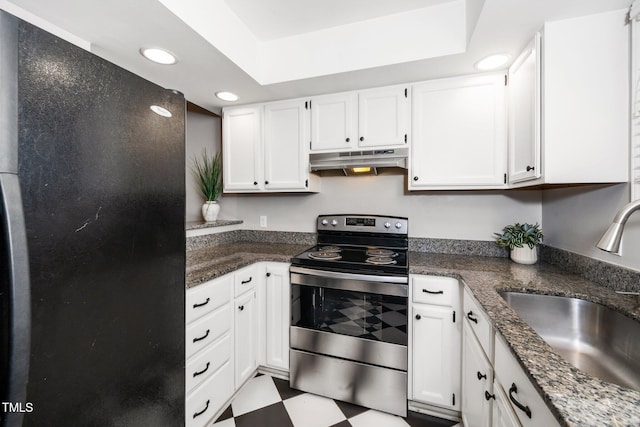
269,402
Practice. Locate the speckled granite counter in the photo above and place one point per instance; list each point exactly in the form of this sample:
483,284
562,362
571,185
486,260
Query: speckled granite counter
196,225
209,263
575,398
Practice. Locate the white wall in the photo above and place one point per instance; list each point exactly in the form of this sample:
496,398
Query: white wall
202,131
574,219
450,215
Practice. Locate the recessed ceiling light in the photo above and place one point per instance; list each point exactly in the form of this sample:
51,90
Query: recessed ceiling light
161,111
492,62
227,96
159,56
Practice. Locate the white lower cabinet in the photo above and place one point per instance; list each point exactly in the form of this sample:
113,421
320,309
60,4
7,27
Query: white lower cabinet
245,321
477,382
435,341
230,322
277,300
522,396
208,350
495,389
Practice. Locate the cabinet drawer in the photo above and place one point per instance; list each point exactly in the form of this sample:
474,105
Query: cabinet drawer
206,330
207,297
435,290
203,365
208,399
511,377
477,319
245,279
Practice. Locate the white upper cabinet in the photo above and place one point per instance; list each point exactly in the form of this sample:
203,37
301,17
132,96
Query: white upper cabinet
265,148
383,117
241,148
524,114
584,103
375,118
334,124
459,133
286,153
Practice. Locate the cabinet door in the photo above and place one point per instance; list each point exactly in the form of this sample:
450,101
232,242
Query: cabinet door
286,142
241,142
245,337
458,133
436,356
477,379
524,114
334,122
277,316
383,117
503,415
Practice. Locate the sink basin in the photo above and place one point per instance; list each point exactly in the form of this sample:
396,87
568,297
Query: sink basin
593,338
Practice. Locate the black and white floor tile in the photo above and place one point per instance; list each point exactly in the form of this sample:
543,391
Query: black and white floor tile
269,402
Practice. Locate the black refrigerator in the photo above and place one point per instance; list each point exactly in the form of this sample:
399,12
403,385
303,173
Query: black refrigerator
92,241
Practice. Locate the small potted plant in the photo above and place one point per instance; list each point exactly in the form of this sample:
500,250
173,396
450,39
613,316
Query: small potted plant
207,172
522,240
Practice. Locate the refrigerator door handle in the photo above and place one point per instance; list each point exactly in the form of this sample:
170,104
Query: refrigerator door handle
12,216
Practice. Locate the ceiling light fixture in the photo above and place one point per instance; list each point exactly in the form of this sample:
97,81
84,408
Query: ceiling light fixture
492,62
161,111
227,96
159,56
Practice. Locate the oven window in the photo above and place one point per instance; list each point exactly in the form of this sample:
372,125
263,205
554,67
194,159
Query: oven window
357,314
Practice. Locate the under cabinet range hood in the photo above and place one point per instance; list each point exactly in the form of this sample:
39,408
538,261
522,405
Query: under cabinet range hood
396,157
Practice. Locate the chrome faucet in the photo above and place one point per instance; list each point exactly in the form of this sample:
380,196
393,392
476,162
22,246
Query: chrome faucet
610,241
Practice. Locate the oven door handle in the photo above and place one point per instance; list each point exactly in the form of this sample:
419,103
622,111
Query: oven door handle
382,285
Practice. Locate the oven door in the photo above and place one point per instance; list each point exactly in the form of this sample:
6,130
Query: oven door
349,337
356,317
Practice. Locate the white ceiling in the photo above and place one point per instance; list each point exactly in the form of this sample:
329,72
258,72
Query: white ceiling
117,29
274,19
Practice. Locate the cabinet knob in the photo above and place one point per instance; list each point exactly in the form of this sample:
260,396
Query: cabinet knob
348,139
530,168
255,182
362,138
418,317
415,178
480,376
266,183
489,396
268,274
241,308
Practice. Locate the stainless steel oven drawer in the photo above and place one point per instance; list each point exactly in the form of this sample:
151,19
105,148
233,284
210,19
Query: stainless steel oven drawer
370,386
346,347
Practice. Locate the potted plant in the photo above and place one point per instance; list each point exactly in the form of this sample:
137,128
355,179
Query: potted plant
207,171
522,240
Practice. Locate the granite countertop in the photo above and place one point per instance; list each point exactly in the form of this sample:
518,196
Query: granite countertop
196,225
575,398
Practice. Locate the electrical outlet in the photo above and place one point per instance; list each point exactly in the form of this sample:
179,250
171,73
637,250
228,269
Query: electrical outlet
263,221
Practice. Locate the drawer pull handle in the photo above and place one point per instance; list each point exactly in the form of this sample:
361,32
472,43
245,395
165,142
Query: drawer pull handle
489,396
244,282
202,337
418,317
206,368
470,317
432,292
520,406
201,304
480,376
197,414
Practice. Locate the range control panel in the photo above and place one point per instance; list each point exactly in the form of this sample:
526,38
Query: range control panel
364,223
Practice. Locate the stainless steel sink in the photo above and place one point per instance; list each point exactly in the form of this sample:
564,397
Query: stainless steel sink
593,338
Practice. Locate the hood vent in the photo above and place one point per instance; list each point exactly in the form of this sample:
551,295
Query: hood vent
354,159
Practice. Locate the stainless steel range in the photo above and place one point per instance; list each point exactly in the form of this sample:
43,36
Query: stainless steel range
349,312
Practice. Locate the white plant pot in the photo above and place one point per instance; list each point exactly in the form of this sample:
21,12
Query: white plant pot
524,255
210,211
